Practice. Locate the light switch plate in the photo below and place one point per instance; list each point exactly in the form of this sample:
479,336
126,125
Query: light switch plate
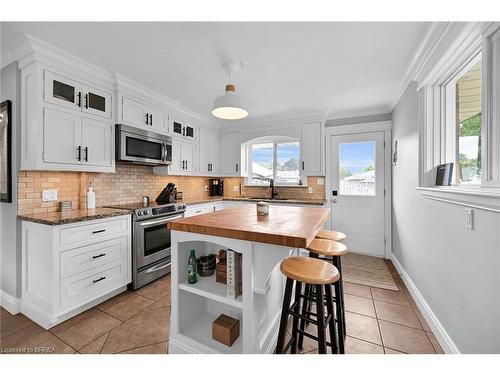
468,218
310,190
49,195
236,188
206,188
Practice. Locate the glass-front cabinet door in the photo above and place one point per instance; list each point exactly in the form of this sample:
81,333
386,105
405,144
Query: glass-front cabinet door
69,93
62,91
96,101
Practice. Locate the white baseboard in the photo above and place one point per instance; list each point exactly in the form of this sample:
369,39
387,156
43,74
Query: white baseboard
442,336
9,303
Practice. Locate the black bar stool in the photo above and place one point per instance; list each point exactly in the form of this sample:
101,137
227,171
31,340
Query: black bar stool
331,251
316,274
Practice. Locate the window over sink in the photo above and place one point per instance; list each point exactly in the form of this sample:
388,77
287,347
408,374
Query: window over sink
274,158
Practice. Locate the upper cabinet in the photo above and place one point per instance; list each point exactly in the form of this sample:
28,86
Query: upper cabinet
67,119
72,93
141,115
208,152
311,149
181,128
232,156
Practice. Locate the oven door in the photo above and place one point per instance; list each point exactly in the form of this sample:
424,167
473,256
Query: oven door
143,149
152,240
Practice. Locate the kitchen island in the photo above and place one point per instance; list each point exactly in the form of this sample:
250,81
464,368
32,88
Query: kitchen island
263,242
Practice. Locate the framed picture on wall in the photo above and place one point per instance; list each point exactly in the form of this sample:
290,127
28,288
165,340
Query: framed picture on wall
6,151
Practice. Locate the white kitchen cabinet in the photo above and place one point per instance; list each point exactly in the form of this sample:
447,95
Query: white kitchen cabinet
233,156
142,115
72,140
97,140
311,149
208,152
180,127
62,134
76,95
70,268
183,159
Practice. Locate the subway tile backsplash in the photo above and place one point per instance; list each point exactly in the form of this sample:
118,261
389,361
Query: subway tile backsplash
128,185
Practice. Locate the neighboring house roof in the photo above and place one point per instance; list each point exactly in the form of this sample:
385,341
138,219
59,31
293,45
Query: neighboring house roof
365,176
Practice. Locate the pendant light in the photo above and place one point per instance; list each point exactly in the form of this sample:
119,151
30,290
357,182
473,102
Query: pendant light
229,106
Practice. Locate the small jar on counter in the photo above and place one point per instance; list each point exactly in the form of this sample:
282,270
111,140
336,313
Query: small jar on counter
262,208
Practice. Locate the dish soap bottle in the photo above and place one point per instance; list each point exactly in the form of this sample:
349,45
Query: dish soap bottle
90,197
192,268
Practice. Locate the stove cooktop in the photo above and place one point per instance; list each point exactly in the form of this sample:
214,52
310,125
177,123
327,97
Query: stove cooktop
143,211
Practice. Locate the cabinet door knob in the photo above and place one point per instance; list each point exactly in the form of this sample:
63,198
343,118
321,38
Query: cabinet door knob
147,118
236,167
86,101
151,119
99,279
303,164
79,153
79,99
86,154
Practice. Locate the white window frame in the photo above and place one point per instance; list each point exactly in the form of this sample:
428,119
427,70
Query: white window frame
437,136
274,140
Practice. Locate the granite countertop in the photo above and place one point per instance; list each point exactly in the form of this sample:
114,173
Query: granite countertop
312,202
284,226
73,216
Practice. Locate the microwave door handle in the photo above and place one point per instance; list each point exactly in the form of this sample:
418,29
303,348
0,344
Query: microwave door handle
163,152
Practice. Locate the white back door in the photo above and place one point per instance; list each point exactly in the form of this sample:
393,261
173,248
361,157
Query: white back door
358,180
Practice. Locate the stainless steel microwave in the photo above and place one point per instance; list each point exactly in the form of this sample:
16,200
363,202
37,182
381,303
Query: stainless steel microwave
142,146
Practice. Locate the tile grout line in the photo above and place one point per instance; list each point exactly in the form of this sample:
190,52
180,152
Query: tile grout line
143,346
378,323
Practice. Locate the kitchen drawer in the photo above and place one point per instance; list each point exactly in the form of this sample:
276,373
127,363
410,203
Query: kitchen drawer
198,210
88,257
83,234
87,286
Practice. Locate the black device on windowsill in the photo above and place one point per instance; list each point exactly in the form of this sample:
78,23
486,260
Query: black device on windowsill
444,173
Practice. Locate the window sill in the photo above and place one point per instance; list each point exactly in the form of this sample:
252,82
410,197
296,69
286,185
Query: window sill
475,197
276,186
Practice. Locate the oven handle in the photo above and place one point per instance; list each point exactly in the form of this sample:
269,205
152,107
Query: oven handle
158,267
170,218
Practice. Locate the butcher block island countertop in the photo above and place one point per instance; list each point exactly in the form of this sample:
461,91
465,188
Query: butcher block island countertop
284,226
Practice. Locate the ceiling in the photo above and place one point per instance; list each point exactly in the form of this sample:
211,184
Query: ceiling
289,68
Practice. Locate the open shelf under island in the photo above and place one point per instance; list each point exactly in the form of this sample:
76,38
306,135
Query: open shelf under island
263,242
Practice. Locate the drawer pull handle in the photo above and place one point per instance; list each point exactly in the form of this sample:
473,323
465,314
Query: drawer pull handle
99,231
98,256
99,279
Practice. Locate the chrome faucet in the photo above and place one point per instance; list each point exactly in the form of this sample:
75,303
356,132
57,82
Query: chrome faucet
273,190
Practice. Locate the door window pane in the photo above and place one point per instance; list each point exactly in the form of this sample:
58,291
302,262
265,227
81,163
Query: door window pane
262,163
468,110
287,163
357,168
63,91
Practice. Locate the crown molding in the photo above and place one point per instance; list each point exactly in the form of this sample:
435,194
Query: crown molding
443,43
275,121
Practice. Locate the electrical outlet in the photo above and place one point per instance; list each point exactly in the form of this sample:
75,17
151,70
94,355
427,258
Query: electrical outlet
49,195
310,190
206,188
236,188
468,218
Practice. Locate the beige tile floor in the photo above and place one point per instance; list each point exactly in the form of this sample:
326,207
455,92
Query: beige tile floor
378,321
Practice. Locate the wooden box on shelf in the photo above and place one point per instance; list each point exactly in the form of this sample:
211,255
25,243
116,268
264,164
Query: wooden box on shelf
221,268
226,329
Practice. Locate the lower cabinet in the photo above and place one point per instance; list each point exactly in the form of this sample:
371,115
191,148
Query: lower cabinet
62,277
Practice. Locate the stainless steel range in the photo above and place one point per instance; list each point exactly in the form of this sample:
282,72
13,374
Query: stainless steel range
151,239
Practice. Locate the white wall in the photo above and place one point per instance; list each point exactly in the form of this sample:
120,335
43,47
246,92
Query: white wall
456,270
10,254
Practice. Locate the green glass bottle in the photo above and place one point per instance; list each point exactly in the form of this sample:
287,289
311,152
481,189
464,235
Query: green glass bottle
192,268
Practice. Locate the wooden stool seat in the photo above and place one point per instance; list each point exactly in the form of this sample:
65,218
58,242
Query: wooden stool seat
331,235
309,270
327,248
